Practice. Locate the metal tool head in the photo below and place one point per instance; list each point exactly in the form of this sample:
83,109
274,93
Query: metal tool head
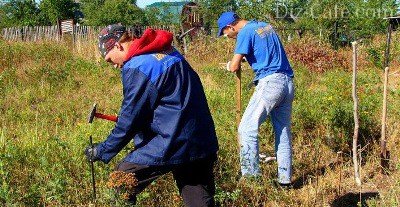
92,113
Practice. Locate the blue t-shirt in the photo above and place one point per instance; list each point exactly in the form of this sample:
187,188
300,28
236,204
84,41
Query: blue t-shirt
261,46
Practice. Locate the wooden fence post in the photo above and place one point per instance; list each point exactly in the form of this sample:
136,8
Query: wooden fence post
385,155
356,124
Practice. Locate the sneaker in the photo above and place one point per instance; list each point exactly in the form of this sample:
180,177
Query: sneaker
286,186
283,186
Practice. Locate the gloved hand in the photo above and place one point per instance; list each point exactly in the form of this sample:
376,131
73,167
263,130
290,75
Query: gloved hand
92,153
228,65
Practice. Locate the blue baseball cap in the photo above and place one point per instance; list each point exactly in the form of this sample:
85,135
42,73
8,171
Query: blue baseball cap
225,19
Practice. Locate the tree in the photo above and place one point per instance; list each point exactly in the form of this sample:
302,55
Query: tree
152,16
273,11
19,13
122,11
104,12
92,10
53,10
353,19
211,9
259,10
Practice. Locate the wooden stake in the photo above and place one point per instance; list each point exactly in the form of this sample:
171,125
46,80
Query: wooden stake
340,159
356,124
384,152
316,165
184,41
238,99
360,157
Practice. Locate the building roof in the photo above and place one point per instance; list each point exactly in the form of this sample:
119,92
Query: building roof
394,20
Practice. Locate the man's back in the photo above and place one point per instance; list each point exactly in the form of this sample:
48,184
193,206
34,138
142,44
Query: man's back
263,49
177,127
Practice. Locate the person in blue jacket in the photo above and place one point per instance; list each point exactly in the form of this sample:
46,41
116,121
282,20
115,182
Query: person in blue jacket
273,95
164,111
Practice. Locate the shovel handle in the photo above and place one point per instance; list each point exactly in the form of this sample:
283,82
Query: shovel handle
238,96
238,101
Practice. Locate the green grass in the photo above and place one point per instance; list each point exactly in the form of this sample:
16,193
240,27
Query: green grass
47,92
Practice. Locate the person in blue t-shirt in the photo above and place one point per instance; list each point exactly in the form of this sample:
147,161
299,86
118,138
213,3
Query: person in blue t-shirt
273,95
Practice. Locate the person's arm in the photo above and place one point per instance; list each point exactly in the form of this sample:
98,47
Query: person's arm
234,64
243,47
135,107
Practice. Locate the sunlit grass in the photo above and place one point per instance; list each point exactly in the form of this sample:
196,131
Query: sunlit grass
47,92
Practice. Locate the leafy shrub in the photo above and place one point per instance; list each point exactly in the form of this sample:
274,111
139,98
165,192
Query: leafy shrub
329,107
316,56
375,56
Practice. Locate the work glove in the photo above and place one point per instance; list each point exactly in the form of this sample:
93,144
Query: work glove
228,65
92,153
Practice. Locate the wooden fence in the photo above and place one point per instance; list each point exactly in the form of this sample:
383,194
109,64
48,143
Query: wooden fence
31,33
52,33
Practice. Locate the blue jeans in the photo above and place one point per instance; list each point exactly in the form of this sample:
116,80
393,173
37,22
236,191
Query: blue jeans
273,97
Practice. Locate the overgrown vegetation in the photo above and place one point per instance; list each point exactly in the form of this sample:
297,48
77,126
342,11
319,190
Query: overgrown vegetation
316,56
47,92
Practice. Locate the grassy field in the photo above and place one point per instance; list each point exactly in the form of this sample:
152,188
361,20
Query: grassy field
47,92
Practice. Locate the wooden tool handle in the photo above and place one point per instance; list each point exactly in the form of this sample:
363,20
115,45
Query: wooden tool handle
106,117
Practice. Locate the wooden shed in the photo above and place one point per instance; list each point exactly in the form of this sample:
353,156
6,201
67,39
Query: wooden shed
191,16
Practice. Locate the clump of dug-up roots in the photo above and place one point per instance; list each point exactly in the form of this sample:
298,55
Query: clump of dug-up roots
123,182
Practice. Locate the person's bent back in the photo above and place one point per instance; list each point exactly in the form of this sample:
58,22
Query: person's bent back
165,113
165,108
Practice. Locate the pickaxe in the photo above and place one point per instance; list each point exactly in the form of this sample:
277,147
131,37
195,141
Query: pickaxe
93,114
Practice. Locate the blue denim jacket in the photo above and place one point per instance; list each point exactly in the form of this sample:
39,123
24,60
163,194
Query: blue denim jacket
164,111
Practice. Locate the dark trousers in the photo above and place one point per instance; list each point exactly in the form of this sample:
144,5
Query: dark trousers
195,180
